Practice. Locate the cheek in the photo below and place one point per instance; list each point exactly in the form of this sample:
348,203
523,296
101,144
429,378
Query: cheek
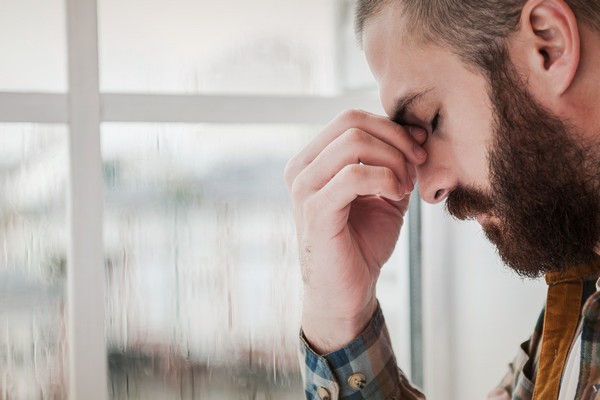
473,159
463,148
469,129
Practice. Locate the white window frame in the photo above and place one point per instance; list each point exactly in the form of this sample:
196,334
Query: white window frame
84,108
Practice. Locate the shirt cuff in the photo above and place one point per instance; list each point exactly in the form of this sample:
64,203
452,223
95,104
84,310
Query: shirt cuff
364,369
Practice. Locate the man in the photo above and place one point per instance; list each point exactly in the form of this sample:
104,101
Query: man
494,107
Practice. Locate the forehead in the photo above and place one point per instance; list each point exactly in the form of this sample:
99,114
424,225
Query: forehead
400,65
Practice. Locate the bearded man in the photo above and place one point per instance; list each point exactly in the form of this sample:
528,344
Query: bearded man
494,107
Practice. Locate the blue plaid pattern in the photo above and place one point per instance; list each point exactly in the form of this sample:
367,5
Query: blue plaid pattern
370,354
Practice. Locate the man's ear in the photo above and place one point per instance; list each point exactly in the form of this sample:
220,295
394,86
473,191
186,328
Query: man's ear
549,38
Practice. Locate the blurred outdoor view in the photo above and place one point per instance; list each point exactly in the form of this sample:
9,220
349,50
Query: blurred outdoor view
33,172
203,290
201,262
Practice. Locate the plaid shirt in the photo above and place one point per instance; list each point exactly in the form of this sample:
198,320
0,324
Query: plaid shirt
371,355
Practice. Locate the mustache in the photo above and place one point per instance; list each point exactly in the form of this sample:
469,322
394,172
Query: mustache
465,203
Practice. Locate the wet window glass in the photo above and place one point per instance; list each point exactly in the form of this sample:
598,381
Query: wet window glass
33,52
33,342
228,46
203,287
203,278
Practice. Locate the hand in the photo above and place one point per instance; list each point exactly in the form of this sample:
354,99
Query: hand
350,189
498,394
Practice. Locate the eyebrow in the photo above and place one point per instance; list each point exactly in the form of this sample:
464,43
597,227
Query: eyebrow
404,105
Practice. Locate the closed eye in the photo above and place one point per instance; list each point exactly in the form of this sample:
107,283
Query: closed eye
435,122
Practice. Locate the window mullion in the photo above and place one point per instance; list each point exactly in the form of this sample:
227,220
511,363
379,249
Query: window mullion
41,108
162,108
85,281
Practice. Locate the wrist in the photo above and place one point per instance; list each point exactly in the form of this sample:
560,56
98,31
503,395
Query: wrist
327,332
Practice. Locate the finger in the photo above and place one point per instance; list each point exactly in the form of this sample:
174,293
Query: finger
498,394
353,147
381,127
412,172
351,182
419,134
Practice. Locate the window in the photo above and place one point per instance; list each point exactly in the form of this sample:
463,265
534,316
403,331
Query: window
32,48
226,47
33,342
181,153
201,267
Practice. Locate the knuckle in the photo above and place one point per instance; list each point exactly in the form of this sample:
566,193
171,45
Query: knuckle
356,137
389,176
353,172
289,173
354,116
297,188
294,168
401,131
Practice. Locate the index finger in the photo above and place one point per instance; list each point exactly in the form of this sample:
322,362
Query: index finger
378,126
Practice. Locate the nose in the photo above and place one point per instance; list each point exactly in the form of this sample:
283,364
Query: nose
435,184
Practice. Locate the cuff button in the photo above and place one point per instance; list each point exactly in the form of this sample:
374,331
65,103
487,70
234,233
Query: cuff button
357,381
323,394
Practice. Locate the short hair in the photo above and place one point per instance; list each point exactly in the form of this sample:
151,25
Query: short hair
476,30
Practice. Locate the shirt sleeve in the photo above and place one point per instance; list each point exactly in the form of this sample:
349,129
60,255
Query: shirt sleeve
364,369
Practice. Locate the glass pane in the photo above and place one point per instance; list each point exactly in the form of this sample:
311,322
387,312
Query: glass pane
354,71
33,46
203,278
227,46
33,343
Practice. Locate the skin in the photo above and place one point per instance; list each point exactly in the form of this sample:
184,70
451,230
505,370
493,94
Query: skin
348,186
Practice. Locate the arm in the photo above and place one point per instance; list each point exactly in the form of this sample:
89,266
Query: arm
366,368
350,189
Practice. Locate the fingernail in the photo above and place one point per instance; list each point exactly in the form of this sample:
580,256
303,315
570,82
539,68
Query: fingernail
405,189
413,175
419,151
419,134
401,190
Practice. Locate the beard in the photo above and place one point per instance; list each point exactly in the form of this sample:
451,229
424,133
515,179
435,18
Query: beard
544,197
